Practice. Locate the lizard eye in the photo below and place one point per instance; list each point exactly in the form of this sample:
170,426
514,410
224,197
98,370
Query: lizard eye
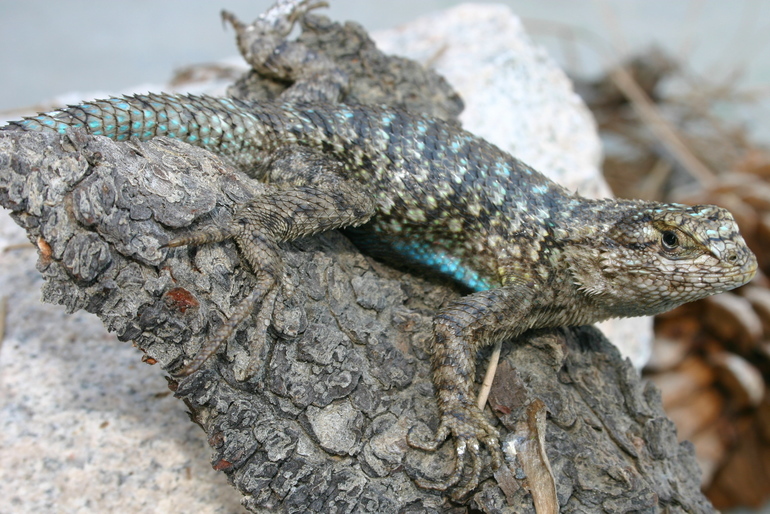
669,239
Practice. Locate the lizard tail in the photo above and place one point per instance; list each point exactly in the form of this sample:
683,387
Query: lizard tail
228,127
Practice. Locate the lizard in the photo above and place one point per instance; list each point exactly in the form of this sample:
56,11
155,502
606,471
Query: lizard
425,193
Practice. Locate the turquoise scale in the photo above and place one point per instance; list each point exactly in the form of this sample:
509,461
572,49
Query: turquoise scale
443,263
417,254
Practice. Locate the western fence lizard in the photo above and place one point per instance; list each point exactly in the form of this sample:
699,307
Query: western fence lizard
424,193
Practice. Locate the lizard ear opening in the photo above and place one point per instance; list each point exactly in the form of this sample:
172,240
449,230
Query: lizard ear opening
587,271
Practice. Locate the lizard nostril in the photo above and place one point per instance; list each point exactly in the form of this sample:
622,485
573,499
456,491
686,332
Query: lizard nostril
732,258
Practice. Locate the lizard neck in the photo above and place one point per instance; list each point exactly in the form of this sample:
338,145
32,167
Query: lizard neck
585,221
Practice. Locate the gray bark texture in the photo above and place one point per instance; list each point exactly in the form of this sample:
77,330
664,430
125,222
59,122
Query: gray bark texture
345,373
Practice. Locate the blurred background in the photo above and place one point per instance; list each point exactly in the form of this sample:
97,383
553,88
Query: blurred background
680,93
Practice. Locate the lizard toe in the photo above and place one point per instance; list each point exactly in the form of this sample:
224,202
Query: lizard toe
432,444
454,477
472,480
469,431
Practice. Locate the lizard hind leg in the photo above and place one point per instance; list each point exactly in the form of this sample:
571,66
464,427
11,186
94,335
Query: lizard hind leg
316,199
263,44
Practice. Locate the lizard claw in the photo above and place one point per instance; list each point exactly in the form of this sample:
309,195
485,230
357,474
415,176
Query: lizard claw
304,7
469,428
223,333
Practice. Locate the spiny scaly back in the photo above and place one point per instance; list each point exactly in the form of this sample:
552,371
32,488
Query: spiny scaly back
431,168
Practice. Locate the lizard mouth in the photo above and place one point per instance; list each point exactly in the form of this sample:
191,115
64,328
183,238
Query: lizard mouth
739,277
738,273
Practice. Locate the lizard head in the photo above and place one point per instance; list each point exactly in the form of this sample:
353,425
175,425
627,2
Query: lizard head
646,258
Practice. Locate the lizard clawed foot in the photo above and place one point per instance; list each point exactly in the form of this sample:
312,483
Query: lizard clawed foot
264,291
223,333
278,19
469,428
314,77
259,40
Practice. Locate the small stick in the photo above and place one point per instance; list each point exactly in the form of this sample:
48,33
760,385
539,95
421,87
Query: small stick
489,376
3,316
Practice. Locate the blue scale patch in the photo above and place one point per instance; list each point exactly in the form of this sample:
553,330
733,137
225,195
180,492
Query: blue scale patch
441,262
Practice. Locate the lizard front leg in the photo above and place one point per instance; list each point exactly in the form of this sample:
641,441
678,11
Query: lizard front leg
284,212
460,330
